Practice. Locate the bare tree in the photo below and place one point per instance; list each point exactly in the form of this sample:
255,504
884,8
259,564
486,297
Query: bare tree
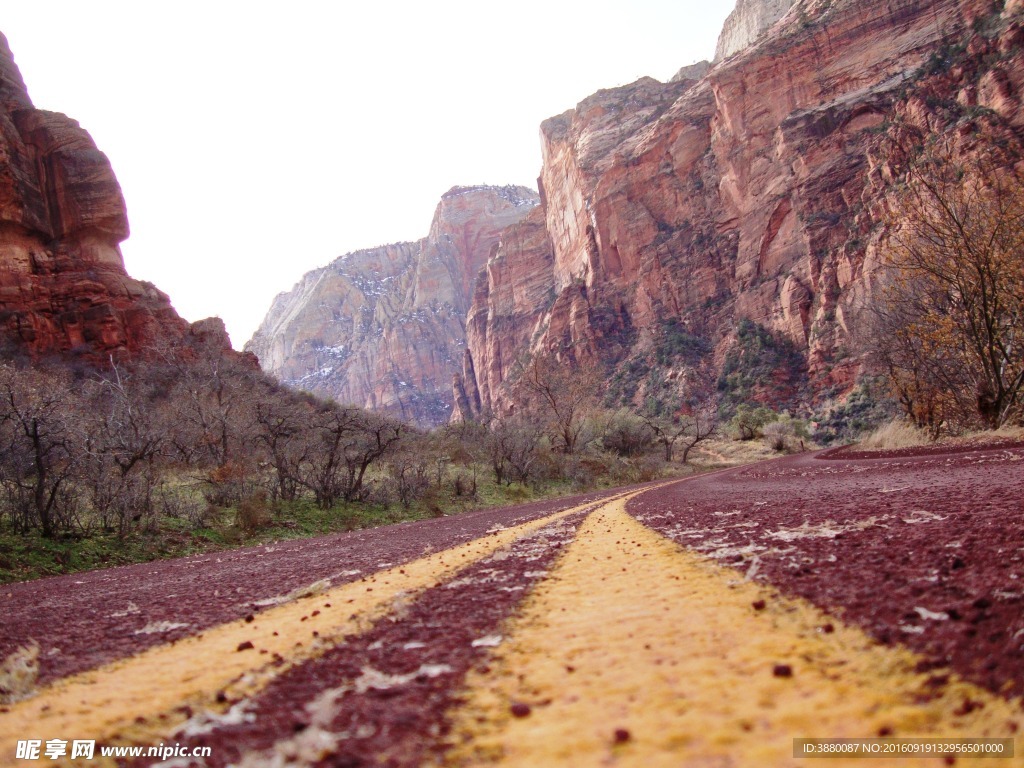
40,447
323,473
345,442
688,419
929,386
564,395
214,403
281,424
377,436
123,443
686,426
953,306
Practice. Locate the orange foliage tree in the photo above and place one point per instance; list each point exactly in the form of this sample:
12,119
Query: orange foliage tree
950,328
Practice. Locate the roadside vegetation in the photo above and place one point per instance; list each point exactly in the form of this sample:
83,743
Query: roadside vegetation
199,451
948,326
900,433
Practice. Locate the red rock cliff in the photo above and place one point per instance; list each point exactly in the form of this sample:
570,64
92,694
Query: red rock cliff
754,192
63,286
385,328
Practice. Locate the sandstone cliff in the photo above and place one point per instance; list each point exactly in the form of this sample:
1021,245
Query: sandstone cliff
757,192
384,328
63,286
749,20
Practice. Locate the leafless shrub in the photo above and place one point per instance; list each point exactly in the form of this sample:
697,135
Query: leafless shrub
777,435
41,448
253,513
513,449
626,434
464,484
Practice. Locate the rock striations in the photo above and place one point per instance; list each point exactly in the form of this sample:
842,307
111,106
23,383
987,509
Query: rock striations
749,20
384,328
754,190
63,286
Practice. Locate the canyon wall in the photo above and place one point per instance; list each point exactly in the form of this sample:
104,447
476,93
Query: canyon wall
384,328
754,192
750,193
749,20
64,290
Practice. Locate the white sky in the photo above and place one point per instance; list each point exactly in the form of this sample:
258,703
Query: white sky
255,141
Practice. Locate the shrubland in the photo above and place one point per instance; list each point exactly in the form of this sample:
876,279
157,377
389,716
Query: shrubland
197,450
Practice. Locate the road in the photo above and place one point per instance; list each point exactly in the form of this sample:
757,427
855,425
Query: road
708,621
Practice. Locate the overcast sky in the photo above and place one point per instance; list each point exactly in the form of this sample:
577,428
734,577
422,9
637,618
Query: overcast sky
255,141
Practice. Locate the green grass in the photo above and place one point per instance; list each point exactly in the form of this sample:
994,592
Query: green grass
30,556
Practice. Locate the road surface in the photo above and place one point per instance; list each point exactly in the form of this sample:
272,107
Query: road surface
709,621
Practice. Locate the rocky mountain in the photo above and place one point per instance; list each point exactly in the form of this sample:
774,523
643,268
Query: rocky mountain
754,192
384,328
732,217
749,20
64,290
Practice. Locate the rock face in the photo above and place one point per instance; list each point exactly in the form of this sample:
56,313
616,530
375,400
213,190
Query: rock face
63,286
513,299
748,21
692,71
385,328
672,211
749,195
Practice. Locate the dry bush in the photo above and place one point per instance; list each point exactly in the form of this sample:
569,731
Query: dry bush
898,433
1009,431
408,476
182,502
625,433
464,484
585,469
640,469
778,435
725,451
514,450
253,513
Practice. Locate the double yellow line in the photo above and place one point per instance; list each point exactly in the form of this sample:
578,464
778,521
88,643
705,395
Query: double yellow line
631,651
146,698
636,652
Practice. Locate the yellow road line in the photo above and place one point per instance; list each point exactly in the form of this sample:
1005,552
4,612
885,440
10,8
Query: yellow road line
141,699
634,652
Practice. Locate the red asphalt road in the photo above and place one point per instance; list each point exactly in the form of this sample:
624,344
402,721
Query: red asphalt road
922,550
83,620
